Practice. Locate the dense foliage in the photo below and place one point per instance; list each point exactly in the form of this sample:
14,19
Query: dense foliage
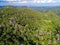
25,26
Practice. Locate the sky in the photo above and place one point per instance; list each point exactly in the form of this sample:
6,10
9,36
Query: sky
30,2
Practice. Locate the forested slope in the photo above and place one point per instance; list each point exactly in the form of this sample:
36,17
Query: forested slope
25,26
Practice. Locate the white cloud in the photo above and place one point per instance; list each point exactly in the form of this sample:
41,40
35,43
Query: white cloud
32,1
21,2
10,0
51,1
44,1
17,1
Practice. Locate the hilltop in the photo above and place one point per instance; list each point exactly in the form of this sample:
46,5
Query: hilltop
26,26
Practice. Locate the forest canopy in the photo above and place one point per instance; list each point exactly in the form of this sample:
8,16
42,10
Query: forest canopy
26,26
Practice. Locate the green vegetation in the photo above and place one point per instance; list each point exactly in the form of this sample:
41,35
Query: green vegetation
56,10
25,26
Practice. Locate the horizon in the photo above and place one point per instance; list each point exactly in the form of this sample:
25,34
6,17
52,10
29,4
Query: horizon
30,2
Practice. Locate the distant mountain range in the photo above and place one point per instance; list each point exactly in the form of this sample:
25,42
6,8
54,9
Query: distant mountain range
34,6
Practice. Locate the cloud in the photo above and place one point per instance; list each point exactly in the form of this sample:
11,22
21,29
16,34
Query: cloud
31,1
51,1
17,1
44,1
11,0
20,2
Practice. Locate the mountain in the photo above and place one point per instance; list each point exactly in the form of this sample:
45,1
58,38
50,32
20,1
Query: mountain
44,9
27,26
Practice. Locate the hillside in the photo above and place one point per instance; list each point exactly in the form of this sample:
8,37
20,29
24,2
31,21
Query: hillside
25,26
56,9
